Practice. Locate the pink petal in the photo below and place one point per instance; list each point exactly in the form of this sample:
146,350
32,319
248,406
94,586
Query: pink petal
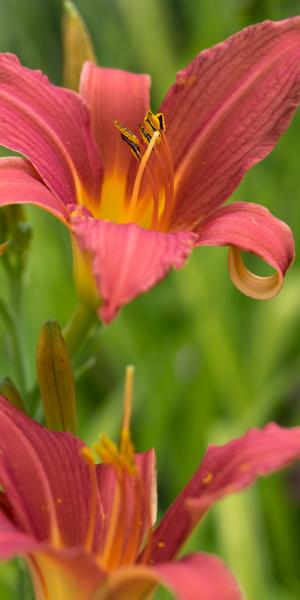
252,228
111,95
127,583
194,577
13,541
146,510
20,183
224,469
51,127
199,577
45,479
128,260
64,575
227,110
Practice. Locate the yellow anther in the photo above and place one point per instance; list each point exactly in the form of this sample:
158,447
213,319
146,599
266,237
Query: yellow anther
146,136
162,121
130,138
106,450
153,122
121,458
87,455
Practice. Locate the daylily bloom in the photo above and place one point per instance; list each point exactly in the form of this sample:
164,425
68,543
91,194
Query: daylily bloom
87,530
136,204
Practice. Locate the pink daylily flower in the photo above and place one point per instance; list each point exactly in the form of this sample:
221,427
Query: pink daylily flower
87,531
136,205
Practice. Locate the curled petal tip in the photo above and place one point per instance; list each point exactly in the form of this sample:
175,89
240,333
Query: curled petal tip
250,284
251,228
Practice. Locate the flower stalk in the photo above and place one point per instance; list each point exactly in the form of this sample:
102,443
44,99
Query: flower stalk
78,327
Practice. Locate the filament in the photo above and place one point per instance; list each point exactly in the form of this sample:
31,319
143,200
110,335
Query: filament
88,457
113,533
138,179
142,207
168,181
133,547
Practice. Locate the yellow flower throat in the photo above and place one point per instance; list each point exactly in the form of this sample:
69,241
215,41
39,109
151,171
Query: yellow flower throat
147,198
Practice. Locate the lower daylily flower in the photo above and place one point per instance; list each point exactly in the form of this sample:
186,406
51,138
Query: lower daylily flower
87,530
138,190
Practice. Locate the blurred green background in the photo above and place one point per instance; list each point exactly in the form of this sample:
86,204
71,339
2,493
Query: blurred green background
210,362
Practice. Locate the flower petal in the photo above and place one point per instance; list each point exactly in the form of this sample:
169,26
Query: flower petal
252,228
51,127
144,506
45,479
128,583
13,541
112,94
224,469
128,260
194,577
20,183
65,575
227,110
199,576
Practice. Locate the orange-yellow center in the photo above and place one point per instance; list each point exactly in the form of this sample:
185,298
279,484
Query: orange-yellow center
120,546
145,195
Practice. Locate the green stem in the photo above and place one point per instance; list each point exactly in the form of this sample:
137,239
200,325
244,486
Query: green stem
78,327
19,353
16,297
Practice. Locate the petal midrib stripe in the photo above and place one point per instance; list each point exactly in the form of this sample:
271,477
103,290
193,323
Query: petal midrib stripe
233,98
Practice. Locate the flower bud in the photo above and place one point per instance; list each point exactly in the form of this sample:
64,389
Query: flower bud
77,45
55,379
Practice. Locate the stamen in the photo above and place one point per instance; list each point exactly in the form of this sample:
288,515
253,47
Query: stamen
109,454
115,532
154,122
151,132
123,462
138,179
131,550
146,136
143,206
162,122
168,169
131,139
88,457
